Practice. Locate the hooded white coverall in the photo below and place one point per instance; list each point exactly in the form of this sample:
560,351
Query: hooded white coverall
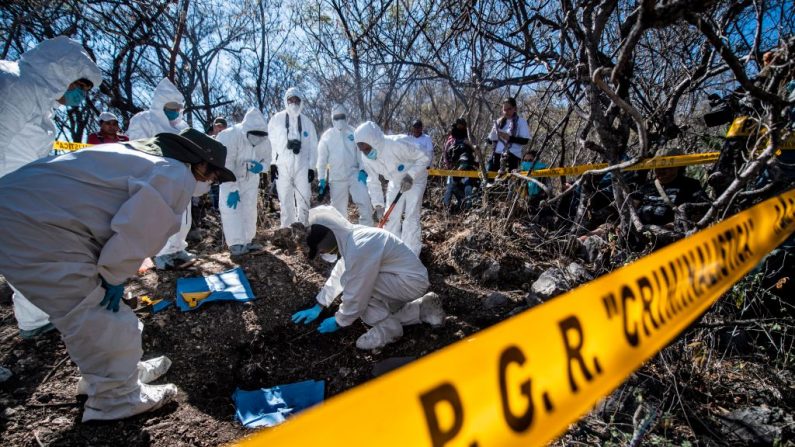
380,278
337,152
151,122
28,89
396,157
64,221
240,224
293,182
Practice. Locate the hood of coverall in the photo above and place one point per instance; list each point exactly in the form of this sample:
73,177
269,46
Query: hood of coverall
293,91
58,62
369,132
164,93
330,218
254,120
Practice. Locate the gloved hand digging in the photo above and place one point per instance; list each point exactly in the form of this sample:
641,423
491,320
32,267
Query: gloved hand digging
307,316
328,326
113,294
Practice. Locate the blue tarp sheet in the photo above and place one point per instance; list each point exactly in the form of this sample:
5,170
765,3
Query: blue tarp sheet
231,285
267,407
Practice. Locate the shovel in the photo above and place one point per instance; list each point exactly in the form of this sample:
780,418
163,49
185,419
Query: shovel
383,220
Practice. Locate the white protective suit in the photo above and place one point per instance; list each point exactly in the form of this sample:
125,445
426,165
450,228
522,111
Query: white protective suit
29,89
151,122
240,224
293,182
380,279
337,152
397,156
64,221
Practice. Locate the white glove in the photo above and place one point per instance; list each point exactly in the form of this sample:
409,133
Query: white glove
379,212
406,183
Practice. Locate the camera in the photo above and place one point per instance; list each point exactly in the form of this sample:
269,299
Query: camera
294,145
724,109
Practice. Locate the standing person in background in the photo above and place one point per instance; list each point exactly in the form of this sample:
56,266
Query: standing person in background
508,135
403,164
422,140
294,144
165,116
248,150
55,72
108,130
340,169
218,125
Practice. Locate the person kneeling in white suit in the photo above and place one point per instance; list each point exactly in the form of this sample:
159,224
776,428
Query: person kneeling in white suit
381,280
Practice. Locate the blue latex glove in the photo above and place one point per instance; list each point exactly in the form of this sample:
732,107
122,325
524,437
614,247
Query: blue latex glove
255,167
307,315
363,176
322,186
233,199
113,295
328,326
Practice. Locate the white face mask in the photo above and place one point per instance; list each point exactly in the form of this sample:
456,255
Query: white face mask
201,189
255,139
293,109
340,124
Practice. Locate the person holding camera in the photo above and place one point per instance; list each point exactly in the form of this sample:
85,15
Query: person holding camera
294,143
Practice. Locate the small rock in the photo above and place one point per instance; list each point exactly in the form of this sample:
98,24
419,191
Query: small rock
5,374
594,248
61,421
551,283
492,273
494,300
577,274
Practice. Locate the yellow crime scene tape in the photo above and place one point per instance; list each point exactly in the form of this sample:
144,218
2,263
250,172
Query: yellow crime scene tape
524,380
652,163
67,146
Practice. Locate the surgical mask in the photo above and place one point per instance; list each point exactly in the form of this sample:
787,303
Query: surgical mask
340,124
255,139
74,97
293,109
525,166
373,154
171,114
201,189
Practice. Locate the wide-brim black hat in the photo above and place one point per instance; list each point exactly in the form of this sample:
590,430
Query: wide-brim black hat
192,146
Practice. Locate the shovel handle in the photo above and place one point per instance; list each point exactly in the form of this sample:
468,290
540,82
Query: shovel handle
383,220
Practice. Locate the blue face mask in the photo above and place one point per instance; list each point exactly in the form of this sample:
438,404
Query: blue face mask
373,154
171,114
525,166
74,97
